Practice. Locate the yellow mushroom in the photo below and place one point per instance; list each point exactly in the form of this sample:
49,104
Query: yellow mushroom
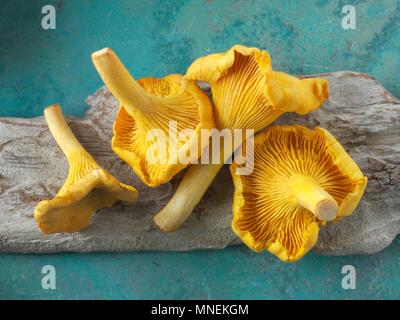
247,94
88,186
173,105
301,179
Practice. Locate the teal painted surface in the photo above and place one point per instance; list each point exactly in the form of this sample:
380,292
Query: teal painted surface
234,273
154,38
39,67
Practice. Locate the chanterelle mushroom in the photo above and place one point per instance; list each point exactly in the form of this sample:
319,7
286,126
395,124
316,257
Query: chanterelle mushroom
155,104
301,179
247,94
88,187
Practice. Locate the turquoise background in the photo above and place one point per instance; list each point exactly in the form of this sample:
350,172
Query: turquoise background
154,38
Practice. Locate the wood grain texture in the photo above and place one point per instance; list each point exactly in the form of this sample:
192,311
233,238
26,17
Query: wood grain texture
362,115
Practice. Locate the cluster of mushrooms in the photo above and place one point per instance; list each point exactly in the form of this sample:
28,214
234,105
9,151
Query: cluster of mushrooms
302,178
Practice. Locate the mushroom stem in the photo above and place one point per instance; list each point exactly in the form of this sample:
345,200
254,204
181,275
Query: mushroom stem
119,81
194,184
61,131
311,196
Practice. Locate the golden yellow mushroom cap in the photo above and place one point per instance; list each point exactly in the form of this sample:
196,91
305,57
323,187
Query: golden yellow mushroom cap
212,67
87,188
159,122
247,93
72,208
186,106
298,173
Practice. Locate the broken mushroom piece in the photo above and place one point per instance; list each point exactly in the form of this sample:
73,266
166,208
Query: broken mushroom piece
88,186
301,179
157,129
247,94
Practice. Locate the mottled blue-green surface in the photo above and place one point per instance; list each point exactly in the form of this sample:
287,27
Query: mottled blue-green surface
154,38
234,273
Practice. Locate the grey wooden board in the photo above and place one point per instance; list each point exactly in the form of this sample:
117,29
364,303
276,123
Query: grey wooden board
360,113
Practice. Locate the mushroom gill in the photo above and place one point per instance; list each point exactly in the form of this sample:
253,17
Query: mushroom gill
240,95
159,122
301,179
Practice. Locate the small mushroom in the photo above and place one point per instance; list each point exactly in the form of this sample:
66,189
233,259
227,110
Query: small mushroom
247,94
301,179
88,186
155,104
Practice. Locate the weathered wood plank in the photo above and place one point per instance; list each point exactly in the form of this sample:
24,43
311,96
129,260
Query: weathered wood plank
360,113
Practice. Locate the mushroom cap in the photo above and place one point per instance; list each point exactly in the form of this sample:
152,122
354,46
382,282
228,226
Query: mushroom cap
247,93
212,67
178,99
88,188
265,212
